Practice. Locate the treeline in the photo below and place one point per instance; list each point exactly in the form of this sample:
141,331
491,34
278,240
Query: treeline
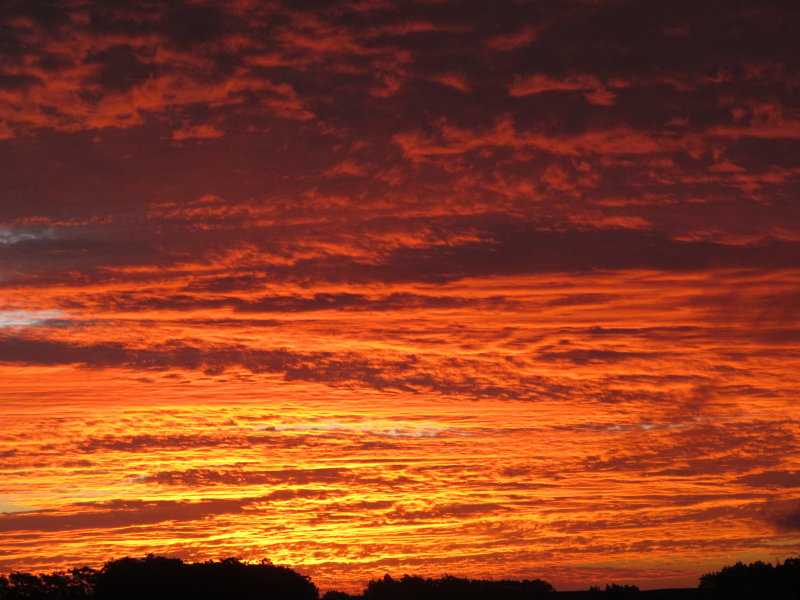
160,578
454,588
756,580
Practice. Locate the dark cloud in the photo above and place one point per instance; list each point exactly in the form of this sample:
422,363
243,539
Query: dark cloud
346,301
129,513
504,248
587,357
771,480
511,250
14,82
446,511
145,443
120,69
238,477
124,514
581,299
405,373
715,450
783,515
133,301
76,252
190,24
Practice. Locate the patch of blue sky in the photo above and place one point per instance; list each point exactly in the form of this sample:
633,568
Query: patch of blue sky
19,318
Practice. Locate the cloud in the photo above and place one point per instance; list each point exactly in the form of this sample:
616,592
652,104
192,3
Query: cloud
594,91
24,318
18,235
347,301
196,132
508,249
145,443
706,449
7,508
454,80
371,427
446,511
123,514
404,373
771,479
783,515
449,140
109,75
115,514
595,356
514,40
581,299
238,477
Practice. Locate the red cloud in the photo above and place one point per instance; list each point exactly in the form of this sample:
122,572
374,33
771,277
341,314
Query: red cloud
593,89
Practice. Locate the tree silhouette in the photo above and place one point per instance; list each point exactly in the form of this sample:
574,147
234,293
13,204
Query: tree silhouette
621,591
335,595
77,584
454,588
160,578
755,580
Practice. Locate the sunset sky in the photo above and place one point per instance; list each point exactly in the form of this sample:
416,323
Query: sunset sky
494,289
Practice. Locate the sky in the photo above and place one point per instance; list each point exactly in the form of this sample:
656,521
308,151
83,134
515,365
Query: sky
496,289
